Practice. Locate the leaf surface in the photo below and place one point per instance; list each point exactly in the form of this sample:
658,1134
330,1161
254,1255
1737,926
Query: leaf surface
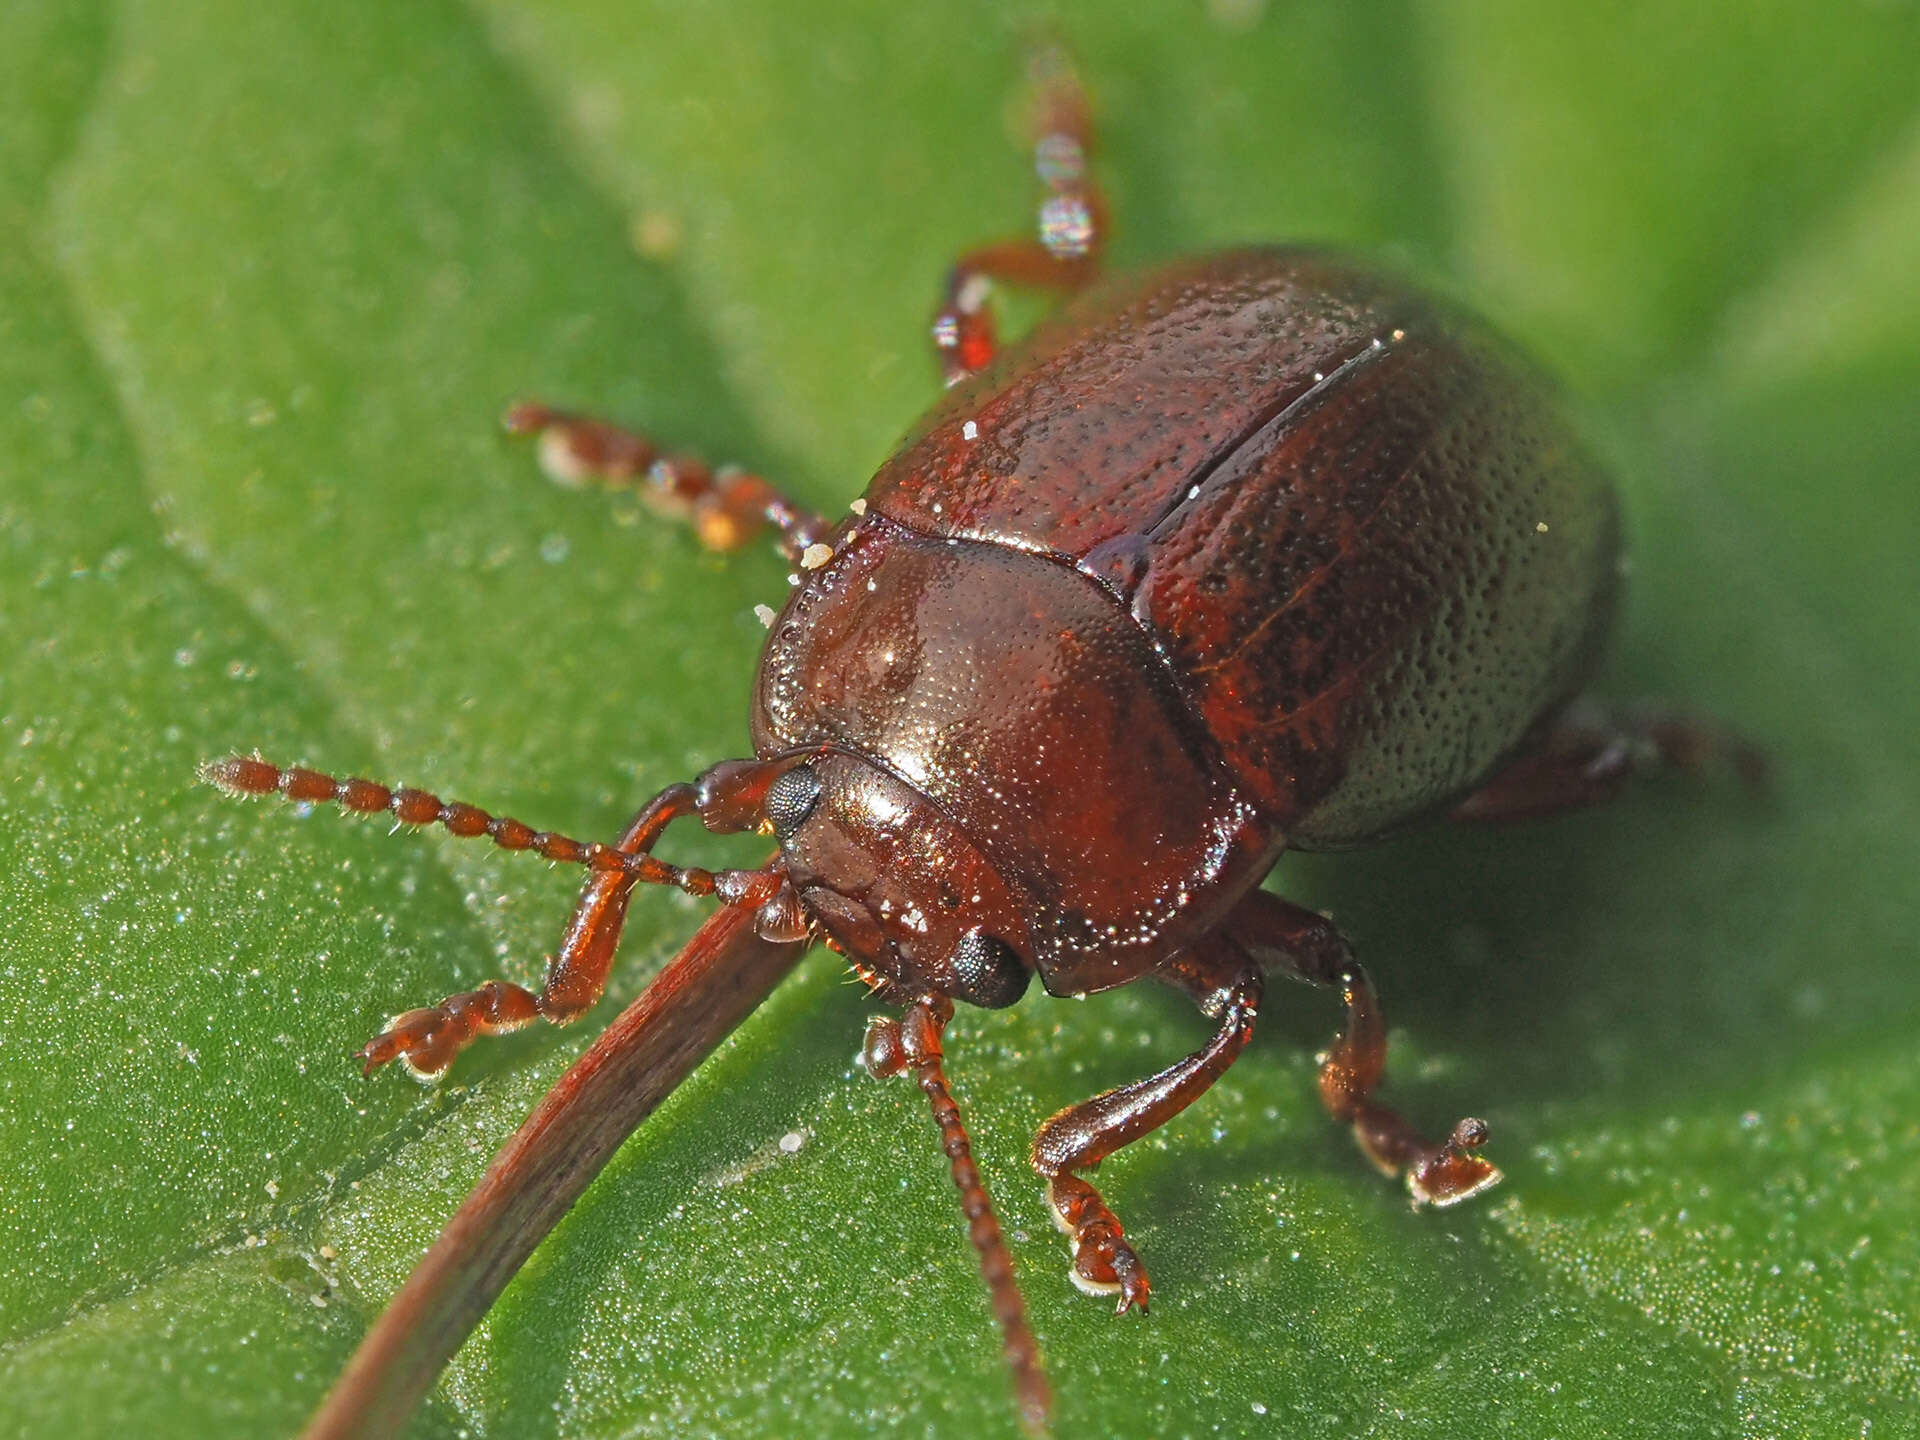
270,275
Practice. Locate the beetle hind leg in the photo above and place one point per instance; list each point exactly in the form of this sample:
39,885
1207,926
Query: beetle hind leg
1588,753
1306,945
1228,987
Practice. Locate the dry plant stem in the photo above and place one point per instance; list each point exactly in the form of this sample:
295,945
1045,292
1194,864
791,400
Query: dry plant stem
722,974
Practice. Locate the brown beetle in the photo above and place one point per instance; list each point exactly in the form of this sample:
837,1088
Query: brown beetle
1258,550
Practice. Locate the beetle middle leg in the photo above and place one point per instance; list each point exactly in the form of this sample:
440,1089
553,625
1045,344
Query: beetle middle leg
1065,253
1307,946
726,506
1227,986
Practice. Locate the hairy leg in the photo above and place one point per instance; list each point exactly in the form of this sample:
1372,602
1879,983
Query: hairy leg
1227,986
1306,946
727,798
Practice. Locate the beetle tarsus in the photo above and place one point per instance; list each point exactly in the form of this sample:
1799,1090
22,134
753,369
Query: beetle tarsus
426,1040
1454,1173
1103,1262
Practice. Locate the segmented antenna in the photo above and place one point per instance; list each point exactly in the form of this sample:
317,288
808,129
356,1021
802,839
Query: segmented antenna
912,1043
246,775
996,1264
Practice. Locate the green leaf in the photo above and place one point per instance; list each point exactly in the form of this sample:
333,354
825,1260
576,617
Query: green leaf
271,273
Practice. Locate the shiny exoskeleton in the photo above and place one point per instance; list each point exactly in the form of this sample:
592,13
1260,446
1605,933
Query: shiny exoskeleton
1305,558
1253,551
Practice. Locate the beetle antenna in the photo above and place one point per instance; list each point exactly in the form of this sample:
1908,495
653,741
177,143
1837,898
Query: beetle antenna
913,1043
996,1264
249,775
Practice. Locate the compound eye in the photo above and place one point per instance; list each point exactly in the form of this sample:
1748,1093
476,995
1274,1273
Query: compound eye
987,973
790,800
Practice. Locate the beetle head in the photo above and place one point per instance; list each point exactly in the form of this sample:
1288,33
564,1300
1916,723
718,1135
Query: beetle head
913,903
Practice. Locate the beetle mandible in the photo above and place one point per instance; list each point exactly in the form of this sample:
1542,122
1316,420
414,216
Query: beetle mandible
1258,550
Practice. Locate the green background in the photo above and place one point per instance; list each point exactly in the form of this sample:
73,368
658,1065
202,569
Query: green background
267,276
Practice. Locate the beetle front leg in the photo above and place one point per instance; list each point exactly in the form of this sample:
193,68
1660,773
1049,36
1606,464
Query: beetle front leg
426,1040
1228,988
1063,256
727,506
1306,945
729,797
